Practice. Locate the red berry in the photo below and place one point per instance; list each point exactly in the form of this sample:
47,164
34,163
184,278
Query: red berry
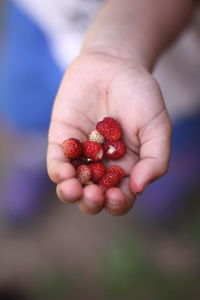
76,162
93,150
83,174
114,150
110,179
95,136
110,129
116,169
72,148
98,170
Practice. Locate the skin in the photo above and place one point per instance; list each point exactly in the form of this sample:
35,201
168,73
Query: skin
108,79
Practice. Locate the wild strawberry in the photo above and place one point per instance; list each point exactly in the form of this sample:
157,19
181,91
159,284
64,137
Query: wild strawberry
110,179
76,162
95,136
83,173
114,150
98,170
93,151
72,148
116,169
110,129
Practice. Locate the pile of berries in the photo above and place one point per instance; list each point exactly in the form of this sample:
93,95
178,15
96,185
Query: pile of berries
104,143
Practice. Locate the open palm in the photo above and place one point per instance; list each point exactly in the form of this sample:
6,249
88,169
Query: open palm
96,86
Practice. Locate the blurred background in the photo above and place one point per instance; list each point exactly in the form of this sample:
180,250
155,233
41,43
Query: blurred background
49,250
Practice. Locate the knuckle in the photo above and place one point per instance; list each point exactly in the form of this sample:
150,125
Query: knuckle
59,193
52,175
169,128
163,169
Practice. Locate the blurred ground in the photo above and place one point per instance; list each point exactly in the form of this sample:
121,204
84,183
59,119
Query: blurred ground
66,255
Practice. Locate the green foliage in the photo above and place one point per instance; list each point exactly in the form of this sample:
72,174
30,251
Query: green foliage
51,286
128,274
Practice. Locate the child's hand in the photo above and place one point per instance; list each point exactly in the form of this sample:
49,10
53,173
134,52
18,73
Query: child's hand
96,86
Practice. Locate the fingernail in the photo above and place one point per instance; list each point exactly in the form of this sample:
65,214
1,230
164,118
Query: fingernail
114,203
144,187
138,193
90,203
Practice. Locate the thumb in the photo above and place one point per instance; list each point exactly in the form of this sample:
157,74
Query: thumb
154,159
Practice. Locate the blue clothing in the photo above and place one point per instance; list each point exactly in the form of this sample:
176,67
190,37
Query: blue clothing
29,76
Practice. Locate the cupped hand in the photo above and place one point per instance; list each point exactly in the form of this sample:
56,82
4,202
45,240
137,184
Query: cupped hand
95,86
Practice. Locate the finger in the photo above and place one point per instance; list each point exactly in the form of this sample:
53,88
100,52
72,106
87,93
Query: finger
154,154
119,199
69,190
93,200
58,166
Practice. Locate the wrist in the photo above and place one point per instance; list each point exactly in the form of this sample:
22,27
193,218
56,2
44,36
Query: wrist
132,56
137,30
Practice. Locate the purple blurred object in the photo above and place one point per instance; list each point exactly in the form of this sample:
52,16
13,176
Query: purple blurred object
166,198
25,185
25,192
